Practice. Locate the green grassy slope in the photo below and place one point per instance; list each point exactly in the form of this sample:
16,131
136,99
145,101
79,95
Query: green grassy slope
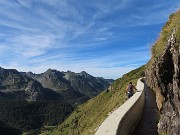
87,117
160,45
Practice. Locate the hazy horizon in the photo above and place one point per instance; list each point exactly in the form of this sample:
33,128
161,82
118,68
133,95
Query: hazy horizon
105,39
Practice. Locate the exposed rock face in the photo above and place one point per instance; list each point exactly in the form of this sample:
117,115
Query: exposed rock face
73,86
36,92
162,75
16,86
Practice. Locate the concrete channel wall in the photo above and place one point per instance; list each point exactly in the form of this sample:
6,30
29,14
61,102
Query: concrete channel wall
124,119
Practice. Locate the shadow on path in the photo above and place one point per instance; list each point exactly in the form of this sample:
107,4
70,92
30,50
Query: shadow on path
149,119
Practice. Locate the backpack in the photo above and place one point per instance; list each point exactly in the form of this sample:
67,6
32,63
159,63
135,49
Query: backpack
130,88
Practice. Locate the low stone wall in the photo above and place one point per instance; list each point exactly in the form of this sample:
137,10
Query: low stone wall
124,119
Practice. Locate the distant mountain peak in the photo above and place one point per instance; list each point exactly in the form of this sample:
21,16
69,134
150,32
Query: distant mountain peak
74,87
53,73
51,70
85,74
31,73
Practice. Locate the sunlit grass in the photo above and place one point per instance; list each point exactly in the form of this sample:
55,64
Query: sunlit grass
161,43
87,117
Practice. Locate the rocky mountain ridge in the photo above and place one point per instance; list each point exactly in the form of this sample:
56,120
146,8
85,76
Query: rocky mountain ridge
72,86
163,76
16,86
51,85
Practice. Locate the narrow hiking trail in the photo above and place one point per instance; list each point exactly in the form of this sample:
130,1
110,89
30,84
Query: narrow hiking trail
148,122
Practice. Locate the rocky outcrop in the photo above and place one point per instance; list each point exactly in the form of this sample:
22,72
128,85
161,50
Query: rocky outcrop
74,87
163,76
16,86
36,92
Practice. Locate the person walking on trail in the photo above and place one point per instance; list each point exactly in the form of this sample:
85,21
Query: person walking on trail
130,90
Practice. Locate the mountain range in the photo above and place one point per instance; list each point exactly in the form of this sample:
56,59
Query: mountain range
31,101
162,75
71,87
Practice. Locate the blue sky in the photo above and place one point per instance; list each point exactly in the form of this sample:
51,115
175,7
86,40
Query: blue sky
104,38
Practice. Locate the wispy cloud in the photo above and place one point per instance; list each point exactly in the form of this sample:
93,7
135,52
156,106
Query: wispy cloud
97,36
32,45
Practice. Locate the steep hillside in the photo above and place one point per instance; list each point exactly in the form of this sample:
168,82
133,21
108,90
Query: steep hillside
76,88
87,117
48,95
21,116
54,80
15,86
163,75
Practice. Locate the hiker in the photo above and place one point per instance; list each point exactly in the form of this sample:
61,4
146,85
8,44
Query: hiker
130,90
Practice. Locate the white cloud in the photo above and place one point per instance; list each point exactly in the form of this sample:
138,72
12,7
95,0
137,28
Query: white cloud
76,35
40,41
32,45
24,3
106,8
